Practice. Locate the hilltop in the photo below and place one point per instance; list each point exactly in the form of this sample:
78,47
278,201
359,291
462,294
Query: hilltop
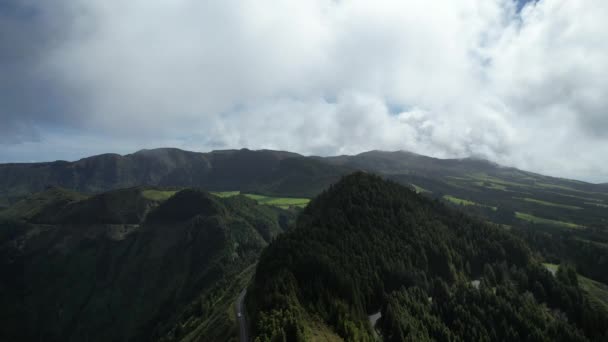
368,245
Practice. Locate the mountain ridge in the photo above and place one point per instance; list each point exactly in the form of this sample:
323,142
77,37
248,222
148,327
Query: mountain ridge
289,154
500,193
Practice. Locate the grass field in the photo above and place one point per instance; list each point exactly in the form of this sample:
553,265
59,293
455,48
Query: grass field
550,204
485,178
490,185
460,201
224,194
281,202
419,189
158,195
535,219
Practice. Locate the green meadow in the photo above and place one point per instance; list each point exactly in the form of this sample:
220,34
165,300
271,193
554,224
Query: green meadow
490,185
281,202
460,201
551,204
535,219
419,189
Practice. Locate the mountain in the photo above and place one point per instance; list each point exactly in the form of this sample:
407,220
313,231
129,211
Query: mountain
368,245
502,194
131,264
271,172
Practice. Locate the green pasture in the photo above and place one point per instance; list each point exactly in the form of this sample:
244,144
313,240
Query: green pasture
535,219
281,202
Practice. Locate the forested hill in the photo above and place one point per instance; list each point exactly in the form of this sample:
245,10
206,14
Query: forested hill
137,264
367,244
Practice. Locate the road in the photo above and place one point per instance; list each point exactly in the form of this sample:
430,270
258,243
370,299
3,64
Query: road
240,316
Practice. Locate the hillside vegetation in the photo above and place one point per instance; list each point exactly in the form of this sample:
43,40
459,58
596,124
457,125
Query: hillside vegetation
367,244
125,265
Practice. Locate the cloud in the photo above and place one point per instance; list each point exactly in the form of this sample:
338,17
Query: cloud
449,79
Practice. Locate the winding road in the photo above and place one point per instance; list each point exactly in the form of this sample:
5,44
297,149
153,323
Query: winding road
240,317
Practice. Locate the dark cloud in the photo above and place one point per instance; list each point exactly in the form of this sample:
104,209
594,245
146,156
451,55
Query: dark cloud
29,94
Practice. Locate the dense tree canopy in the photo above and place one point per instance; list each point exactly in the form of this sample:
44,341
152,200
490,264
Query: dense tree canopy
367,244
118,267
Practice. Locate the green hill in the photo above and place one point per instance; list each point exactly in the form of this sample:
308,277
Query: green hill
104,269
368,245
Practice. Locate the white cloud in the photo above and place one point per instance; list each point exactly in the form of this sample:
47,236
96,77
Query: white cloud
445,78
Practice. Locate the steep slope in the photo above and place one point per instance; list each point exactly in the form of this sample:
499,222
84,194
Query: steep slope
367,244
106,272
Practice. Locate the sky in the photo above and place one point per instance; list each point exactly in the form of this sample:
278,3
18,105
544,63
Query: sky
521,83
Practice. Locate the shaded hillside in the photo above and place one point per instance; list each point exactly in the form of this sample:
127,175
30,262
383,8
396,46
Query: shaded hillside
367,244
118,267
273,172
